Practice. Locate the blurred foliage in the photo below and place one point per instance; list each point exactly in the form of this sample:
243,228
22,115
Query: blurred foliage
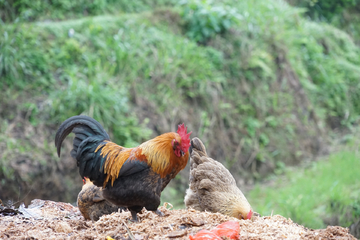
32,10
23,63
343,14
97,67
323,9
240,79
326,193
203,19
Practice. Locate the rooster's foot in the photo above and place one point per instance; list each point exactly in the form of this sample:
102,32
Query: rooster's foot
160,213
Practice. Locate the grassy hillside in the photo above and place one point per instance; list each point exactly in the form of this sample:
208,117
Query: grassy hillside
261,85
343,14
324,193
27,10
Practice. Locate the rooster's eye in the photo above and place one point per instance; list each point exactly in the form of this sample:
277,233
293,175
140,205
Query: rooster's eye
175,144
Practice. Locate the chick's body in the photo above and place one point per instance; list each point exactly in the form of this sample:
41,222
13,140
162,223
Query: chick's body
91,203
212,187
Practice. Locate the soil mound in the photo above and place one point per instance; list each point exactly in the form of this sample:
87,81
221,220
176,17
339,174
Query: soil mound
56,220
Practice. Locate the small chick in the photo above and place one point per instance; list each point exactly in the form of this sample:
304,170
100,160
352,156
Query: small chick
91,203
212,187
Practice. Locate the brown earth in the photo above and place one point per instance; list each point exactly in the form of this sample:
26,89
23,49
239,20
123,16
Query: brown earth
58,220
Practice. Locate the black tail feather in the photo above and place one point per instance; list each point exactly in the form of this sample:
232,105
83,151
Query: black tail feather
83,127
89,134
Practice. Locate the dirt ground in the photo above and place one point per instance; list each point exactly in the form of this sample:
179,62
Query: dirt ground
56,220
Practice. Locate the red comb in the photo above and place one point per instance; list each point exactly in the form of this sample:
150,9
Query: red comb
185,137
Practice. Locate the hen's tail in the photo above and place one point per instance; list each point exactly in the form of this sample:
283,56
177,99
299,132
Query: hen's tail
88,135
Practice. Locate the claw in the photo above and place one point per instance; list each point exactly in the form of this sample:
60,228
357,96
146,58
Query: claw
160,213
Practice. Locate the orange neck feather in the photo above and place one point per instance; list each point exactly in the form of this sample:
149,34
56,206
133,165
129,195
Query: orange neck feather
160,154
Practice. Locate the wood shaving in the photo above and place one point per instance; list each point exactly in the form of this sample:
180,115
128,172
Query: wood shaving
64,221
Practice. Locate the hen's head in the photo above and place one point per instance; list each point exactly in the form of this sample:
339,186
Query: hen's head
86,183
85,180
182,145
198,146
242,210
233,203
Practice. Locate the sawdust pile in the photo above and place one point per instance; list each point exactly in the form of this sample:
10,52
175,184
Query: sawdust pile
56,220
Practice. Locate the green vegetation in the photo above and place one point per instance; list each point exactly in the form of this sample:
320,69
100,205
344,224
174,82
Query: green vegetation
322,9
38,10
343,14
327,192
112,59
204,20
263,86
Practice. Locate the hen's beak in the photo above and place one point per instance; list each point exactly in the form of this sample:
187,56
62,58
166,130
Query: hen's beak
250,214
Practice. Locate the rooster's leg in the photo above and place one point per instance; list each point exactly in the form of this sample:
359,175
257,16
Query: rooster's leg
134,216
134,210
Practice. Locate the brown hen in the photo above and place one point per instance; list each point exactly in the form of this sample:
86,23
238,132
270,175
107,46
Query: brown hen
91,203
212,187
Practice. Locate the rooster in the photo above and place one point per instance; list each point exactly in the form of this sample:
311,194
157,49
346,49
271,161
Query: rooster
130,177
212,187
91,203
